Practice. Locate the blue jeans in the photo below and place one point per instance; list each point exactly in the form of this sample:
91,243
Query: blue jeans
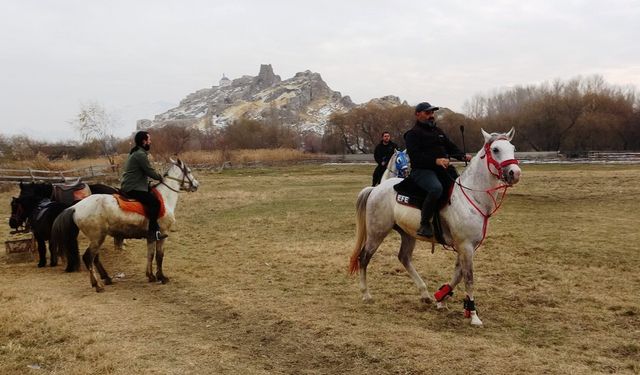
428,181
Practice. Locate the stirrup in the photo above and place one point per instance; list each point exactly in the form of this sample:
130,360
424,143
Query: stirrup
425,231
157,236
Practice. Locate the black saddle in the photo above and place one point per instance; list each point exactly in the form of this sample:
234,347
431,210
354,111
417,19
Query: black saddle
410,194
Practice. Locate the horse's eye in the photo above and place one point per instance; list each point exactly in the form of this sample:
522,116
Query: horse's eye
496,150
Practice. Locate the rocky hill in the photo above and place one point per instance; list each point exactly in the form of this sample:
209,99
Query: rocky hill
304,101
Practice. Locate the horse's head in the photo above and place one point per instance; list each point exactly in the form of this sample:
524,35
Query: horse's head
21,209
401,163
500,156
180,172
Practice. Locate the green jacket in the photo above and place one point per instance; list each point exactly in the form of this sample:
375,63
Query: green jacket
136,170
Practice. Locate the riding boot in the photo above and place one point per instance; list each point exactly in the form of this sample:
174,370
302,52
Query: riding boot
154,233
428,209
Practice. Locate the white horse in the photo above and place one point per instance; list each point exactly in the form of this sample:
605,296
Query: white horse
398,166
476,195
100,215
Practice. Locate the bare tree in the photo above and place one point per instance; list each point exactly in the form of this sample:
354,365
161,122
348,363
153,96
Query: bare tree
95,123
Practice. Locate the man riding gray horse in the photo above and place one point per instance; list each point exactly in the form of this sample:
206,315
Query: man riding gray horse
429,150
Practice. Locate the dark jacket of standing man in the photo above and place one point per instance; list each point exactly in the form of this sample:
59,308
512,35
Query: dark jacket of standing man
382,154
135,182
429,150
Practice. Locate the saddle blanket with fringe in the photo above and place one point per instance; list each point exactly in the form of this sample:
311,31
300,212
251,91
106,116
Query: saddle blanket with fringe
132,205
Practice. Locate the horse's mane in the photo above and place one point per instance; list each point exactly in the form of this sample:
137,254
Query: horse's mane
37,189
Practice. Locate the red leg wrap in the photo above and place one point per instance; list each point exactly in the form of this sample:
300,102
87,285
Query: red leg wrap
442,293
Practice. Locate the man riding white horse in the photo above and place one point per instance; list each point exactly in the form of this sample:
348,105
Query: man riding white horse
429,150
135,184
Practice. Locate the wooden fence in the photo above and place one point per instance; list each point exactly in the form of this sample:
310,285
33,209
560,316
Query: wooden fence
87,174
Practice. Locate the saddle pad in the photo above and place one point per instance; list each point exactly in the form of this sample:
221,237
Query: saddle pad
410,194
133,205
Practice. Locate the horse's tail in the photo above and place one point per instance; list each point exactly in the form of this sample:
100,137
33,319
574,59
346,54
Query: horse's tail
361,228
64,236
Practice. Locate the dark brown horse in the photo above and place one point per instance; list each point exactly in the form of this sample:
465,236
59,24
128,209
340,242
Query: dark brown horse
35,211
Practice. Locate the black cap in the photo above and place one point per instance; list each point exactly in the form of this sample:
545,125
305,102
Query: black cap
424,106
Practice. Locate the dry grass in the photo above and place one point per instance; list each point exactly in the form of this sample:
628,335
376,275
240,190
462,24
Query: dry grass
258,264
243,157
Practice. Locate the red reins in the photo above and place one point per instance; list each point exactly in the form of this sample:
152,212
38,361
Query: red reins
497,203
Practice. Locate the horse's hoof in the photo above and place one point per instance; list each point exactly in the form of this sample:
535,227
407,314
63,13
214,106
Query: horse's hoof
108,281
475,321
426,300
53,264
42,264
99,289
152,279
163,279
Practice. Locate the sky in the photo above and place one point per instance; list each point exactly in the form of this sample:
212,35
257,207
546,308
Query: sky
139,58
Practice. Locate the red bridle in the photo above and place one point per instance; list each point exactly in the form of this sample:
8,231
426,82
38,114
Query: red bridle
491,161
497,203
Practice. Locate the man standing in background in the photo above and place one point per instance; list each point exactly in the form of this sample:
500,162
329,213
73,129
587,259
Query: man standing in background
383,152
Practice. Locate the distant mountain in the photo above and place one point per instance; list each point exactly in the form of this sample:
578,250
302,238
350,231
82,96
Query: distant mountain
304,101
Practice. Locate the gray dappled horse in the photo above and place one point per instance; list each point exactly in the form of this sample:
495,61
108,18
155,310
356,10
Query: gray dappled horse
475,196
100,215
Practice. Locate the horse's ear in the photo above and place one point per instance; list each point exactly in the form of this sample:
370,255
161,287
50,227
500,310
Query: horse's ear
487,136
172,161
511,133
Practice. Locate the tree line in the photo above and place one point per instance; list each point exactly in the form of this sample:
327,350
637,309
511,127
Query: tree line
571,116
568,116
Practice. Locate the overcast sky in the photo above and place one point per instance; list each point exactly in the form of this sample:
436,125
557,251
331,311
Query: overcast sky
136,57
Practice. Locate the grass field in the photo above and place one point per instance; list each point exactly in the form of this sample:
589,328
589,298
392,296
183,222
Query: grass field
259,285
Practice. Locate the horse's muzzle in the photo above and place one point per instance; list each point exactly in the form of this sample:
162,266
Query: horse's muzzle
13,223
511,174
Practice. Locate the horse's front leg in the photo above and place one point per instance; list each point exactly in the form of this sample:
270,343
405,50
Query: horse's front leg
42,252
151,250
446,290
159,258
466,264
118,243
102,271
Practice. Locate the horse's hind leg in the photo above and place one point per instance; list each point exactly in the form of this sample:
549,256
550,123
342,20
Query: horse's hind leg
404,255
89,257
159,258
102,271
54,256
370,246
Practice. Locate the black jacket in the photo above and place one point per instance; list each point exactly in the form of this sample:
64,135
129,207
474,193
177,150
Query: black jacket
384,152
427,143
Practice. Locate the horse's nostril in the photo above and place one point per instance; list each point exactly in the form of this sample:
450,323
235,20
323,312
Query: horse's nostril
511,173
